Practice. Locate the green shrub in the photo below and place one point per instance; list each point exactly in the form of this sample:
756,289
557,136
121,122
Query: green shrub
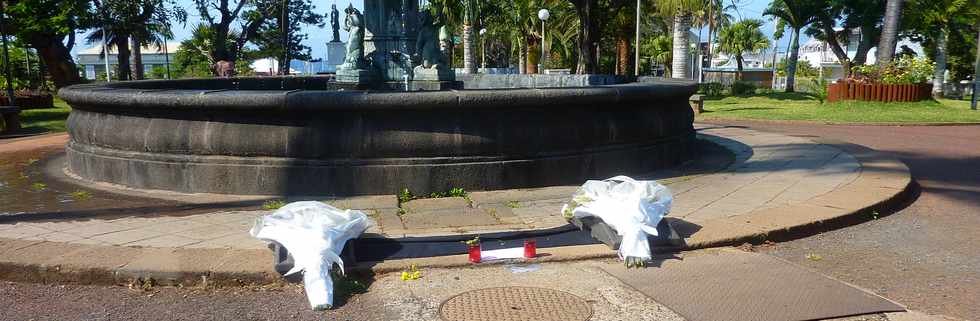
742,88
904,70
817,87
710,89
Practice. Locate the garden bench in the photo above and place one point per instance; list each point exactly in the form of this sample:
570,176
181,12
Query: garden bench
11,118
697,104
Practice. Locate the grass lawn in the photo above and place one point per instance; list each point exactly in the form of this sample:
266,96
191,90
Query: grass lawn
51,119
799,106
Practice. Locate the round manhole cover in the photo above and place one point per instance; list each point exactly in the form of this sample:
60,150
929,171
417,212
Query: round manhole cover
515,303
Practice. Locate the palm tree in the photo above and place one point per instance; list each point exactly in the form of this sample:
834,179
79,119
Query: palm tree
114,39
933,19
742,37
469,55
796,14
681,11
889,31
715,17
658,49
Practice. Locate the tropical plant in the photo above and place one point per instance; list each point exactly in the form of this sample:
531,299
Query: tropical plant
713,15
657,50
268,38
50,26
742,37
889,31
849,15
904,70
933,20
796,14
681,11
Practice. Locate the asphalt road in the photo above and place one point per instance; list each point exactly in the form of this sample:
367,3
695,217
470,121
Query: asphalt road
926,256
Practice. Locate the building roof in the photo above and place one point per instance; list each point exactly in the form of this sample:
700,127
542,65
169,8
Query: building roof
146,50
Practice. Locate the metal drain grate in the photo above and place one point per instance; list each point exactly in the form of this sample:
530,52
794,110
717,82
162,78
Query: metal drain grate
515,303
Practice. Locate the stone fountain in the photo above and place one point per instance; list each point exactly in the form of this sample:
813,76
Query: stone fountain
394,117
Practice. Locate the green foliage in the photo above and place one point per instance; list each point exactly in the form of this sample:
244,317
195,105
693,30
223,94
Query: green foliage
473,241
268,38
711,89
158,72
803,69
743,88
817,87
273,204
904,70
405,195
742,37
513,204
657,50
39,186
454,192
81,195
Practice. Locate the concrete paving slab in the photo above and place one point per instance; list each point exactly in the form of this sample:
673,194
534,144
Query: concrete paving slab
725,206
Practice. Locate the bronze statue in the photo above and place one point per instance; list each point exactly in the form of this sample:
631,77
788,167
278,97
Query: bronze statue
335,22
354,24
427,45
224,68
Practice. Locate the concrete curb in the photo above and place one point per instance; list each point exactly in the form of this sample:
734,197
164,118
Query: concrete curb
883,185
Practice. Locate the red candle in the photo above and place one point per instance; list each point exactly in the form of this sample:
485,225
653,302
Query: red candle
475,253
530,249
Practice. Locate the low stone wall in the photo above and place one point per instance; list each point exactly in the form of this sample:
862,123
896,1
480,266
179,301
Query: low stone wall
160,135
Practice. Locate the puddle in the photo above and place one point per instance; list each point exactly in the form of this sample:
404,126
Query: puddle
24,189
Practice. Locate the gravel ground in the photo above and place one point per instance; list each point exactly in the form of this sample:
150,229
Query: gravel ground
388,298
924,256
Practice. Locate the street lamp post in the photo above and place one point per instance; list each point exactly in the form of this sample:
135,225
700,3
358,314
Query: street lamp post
483,49
543,14
636,47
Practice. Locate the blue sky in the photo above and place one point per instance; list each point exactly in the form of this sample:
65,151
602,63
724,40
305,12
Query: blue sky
318,37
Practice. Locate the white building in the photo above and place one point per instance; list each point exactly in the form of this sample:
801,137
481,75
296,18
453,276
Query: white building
92,63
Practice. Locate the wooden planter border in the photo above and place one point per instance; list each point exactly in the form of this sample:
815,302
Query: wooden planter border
878,92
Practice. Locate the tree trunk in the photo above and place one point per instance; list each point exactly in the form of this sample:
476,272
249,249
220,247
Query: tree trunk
794,56
681,60
739,61
58,60
938,75
622,55
864,45
469,54
711,27
889,31
122,48
533,56
588,36
521,58
137,60
834,45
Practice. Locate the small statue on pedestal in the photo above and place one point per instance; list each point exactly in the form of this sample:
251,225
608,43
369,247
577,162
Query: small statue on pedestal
355,68
434,63
335,23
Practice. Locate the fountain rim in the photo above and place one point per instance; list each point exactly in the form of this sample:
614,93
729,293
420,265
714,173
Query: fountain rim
147,95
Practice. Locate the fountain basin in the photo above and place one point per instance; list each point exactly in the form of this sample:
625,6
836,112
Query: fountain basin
303,136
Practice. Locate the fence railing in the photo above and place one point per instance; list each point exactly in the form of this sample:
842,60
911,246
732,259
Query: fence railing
845,90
